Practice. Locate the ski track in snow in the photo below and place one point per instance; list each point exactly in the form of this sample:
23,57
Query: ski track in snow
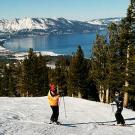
30,116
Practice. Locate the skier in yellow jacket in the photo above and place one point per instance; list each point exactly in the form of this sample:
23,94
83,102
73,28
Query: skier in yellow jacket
53,99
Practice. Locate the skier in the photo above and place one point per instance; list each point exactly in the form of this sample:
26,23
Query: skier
119,103
53,99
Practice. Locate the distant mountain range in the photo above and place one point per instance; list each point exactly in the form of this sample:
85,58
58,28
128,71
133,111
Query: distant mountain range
105,22
43,26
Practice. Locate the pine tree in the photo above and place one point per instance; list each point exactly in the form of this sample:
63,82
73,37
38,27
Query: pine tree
33,78
12,79
22,80
28,82
117,57
42,74
77,75
8,80
122,50
99,67
130,65
1,76
61,73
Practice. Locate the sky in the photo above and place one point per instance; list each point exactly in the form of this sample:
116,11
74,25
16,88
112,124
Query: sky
69,9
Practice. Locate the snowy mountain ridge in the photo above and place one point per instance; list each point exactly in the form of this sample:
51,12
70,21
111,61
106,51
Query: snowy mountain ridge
51,26
46,25
105,21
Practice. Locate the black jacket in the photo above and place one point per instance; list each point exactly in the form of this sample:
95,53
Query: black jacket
119,102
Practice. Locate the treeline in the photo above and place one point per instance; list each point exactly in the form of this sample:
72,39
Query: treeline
31,76
110,67
113,60
24,78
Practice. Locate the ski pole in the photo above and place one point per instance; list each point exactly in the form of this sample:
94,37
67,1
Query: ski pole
112,106
64,107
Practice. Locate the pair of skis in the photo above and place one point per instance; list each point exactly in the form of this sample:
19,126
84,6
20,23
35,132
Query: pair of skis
125,125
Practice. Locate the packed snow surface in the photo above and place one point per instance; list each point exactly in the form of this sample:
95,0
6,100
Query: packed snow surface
30,116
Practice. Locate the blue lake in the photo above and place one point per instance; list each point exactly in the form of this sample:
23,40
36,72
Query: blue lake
59,44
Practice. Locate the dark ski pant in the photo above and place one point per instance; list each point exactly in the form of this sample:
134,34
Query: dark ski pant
55,113
119,117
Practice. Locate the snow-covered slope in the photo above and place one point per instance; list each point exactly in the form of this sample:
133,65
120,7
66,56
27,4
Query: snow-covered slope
40,26
19,24
22,55
44,25
30,116
105,21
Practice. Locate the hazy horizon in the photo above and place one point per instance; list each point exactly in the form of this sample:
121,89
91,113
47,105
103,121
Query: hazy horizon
61,17
76,10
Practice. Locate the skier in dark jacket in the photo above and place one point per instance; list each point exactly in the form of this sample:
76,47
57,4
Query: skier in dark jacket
119,103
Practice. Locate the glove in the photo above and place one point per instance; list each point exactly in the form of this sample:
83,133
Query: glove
61,94
113,103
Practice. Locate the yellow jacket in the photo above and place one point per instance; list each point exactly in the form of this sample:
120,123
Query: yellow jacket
53,101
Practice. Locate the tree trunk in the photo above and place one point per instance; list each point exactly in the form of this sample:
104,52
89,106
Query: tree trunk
72,95
125,99
126,82
101,94
107,96
27,94
79,95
